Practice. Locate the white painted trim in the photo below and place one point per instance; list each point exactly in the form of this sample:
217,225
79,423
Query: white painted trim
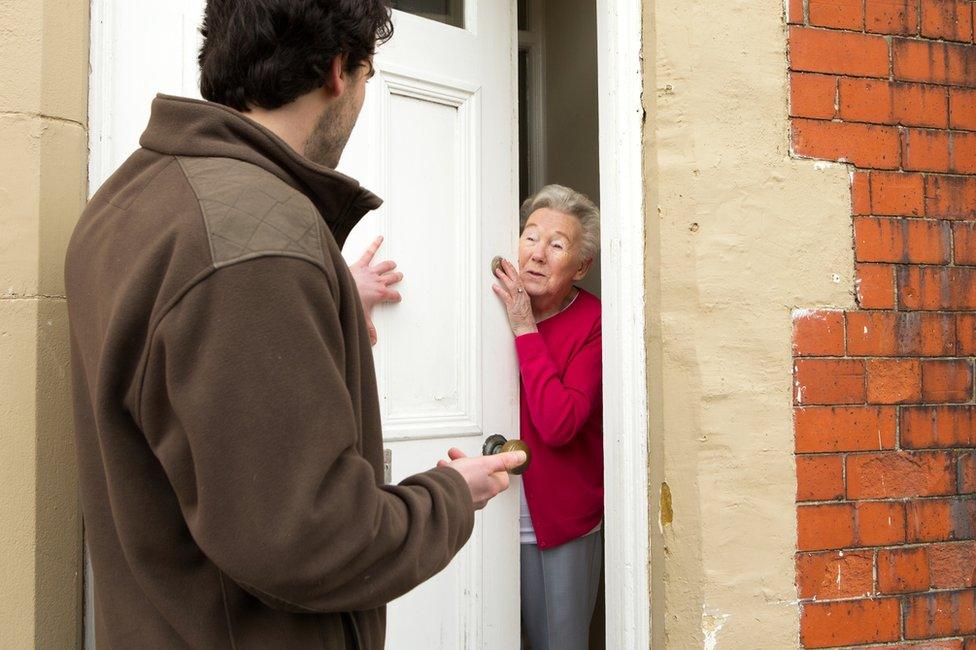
100,87
100,84
627,559
533,41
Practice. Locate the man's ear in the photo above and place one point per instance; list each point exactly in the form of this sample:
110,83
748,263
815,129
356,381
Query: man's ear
336,77
583,269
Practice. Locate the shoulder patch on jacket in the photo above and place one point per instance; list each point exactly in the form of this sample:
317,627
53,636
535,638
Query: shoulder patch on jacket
249,212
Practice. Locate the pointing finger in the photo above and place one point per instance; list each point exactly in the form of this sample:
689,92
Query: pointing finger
371,251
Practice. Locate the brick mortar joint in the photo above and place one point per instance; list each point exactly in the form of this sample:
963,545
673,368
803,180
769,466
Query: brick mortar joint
888,36
876,550
895,645
903,596
898,644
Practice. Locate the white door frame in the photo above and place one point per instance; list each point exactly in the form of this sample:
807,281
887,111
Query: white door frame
627,561
625,445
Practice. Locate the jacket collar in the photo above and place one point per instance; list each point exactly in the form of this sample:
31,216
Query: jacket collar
188,127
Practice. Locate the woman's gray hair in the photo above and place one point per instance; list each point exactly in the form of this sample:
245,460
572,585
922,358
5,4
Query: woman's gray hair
568,201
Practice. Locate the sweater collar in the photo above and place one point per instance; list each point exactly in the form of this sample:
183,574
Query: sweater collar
180,126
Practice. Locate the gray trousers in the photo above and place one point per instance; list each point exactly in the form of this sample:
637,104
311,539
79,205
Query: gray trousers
559,590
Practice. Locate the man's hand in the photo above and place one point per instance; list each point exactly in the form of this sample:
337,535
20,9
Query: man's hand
373,283
487,476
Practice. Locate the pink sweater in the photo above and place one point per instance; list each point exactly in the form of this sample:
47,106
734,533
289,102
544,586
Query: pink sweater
562,422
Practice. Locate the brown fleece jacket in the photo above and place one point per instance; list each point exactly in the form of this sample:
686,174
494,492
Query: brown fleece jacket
228,426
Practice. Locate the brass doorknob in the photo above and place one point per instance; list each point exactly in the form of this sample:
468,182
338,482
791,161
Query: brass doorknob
496,444
496,263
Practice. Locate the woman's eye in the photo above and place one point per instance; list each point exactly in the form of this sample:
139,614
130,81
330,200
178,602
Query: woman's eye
558,246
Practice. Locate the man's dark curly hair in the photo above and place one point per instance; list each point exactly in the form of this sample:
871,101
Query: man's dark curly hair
266,53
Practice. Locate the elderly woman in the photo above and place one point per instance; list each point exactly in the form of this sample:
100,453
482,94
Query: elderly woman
557,339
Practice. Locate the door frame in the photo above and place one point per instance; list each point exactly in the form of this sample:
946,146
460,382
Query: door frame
627,532
623,286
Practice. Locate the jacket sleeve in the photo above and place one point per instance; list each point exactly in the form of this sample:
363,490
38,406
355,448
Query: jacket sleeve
246,405
559,405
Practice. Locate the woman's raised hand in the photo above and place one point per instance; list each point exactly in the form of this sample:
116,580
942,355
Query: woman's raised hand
374,282
515,298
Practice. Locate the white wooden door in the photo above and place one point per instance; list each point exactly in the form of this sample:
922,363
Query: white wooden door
437,140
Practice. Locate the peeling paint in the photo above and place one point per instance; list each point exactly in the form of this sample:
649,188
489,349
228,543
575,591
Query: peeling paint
711,624
821,165
667,510
804,313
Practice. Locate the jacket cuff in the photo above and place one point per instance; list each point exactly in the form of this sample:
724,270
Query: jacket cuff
461,501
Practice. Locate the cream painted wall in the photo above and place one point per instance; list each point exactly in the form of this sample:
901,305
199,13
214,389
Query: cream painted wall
739,234
43,112
572,122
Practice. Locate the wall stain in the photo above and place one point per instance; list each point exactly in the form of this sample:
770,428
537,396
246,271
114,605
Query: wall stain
667,512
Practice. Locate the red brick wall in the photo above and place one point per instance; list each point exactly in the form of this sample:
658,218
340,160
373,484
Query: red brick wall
885,417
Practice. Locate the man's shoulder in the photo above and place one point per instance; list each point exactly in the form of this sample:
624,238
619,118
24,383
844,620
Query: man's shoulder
249,212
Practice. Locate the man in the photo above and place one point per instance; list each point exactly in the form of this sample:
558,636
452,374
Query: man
228,428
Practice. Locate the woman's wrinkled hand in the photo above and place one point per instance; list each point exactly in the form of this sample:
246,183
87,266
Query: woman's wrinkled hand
515,298
373,282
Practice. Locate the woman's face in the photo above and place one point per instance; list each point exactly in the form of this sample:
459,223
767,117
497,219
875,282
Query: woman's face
549,254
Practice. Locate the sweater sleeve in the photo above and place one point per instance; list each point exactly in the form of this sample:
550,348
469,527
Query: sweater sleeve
246,406
560,403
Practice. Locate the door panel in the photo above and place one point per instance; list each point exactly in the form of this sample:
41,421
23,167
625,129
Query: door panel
433,332
436,139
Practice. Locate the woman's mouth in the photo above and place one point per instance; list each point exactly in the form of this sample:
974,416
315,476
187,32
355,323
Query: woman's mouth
535,274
